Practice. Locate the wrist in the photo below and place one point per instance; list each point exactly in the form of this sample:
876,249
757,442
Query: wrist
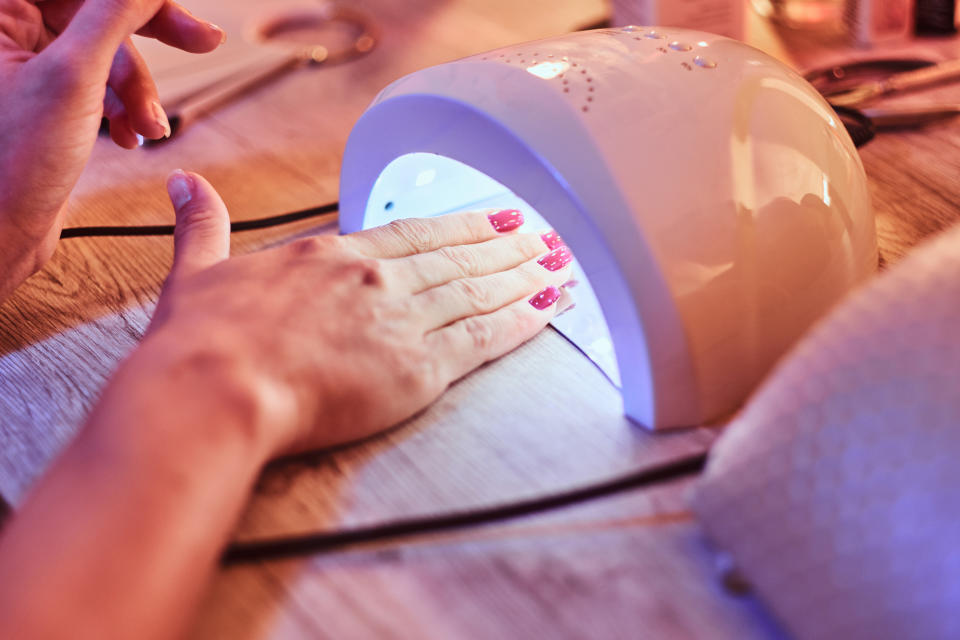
200,398
21,255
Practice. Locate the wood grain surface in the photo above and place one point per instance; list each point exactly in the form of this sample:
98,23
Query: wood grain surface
540,419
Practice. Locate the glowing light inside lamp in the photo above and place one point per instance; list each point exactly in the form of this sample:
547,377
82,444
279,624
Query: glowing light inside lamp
548,70
425,184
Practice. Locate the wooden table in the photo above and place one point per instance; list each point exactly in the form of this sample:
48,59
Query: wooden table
630,566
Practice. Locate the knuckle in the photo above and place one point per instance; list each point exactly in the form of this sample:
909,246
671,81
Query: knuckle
14,12
195,218
312,246
531,280
524,324
354,271
531,245
368,271
482,334
420,376
473,293
416,233
465,260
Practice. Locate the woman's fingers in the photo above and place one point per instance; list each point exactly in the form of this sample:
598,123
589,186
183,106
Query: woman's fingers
465,345
476,296
130,80
409,236
423,271
175,26
98,29
99,26
92,31
120,128
202,235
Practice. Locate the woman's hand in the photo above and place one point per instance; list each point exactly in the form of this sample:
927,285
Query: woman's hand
337,337
63,65
312,344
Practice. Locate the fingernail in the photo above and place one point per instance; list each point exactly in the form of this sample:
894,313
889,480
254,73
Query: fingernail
506,220
556,259
552,239
545,298
180,188
570,284
160,117
223,34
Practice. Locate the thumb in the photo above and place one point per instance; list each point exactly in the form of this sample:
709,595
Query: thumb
202,234
99,27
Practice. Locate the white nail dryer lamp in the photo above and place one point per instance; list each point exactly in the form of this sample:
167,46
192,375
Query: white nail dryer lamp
714,202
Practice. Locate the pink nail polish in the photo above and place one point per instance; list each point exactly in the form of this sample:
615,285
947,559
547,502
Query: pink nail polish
545,298
506,220
553,240
556,259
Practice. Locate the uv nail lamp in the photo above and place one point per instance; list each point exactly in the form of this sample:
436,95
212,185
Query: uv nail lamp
715,203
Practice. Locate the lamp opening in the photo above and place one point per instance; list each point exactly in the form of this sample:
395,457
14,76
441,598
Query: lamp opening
427,185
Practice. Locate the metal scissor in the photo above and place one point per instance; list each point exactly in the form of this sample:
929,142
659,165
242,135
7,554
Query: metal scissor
185,109
855,89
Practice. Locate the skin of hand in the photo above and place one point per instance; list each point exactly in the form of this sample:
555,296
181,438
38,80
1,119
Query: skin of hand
312,344
343,336
63,65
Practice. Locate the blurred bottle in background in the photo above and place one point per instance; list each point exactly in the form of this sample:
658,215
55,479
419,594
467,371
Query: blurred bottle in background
724,17
823,16
936,18
874,22
865,23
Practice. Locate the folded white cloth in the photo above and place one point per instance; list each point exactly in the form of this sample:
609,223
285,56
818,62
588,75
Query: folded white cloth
837,490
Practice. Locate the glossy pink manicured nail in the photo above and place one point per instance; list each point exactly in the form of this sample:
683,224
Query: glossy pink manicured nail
556,259
506,220
545,298
553,240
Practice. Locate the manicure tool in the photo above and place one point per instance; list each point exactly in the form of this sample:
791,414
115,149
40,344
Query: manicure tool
187,109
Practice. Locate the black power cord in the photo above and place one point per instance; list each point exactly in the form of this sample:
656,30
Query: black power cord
325,541
314,543
858,125
167,229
